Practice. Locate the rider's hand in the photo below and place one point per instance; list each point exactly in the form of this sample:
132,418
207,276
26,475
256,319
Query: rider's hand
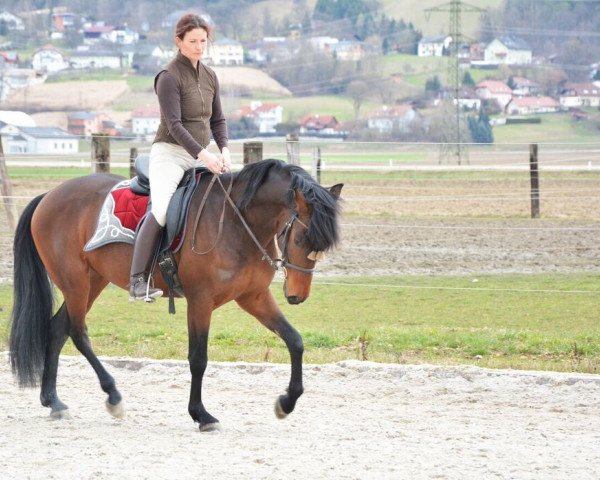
210,161
226,156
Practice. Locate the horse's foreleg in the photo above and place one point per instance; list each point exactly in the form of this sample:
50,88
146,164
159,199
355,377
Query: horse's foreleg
265,309
198,328
58,334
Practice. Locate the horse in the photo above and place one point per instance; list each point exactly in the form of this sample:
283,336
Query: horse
269,207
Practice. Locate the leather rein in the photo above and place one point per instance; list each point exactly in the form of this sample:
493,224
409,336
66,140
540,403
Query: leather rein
276,263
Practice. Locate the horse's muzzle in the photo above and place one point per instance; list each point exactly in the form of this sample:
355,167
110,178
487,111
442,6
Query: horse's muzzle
294,300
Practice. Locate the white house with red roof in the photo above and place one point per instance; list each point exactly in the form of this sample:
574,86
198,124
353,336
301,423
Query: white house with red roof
319,125
145,120
524,87
580,95
529,105
388,119
494,90
264,115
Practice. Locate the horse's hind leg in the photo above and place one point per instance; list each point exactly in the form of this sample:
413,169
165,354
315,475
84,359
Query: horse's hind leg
77,306
58,334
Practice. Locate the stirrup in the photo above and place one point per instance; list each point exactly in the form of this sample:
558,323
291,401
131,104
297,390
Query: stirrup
148,294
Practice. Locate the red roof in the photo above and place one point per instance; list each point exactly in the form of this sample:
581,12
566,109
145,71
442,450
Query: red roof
391,112
146,112
248,111
318,122
494,86
583,89
540,102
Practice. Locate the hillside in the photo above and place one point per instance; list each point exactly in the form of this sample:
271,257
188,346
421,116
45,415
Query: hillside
414,11
408,10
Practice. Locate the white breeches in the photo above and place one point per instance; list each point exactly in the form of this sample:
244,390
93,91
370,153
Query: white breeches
168,163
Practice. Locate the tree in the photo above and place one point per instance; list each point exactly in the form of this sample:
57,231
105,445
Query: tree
358,90
433,84
480,128
467,80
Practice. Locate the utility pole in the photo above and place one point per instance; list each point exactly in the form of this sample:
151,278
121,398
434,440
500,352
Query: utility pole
453,147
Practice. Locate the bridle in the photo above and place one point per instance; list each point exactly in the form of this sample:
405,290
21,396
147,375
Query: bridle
280,263
283,262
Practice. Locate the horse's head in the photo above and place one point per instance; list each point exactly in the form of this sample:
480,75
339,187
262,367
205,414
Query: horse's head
310,231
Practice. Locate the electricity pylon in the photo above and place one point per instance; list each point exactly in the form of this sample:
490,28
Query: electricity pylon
453,146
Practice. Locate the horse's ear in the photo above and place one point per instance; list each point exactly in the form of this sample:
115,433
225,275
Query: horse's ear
301,205
336,189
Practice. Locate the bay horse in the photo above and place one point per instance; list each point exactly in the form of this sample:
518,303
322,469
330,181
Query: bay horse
272,207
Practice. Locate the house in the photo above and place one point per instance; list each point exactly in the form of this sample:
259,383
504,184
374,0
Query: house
95,58
494,90
62,22
145,120
264,115
524,87
433,46
318,125
49,140
49,59
507,50
94,33
580,95
468,99
9,58
225,52
10,122
531,105
391,119
122,35
323,44
147,58
84,124
12,21
349,50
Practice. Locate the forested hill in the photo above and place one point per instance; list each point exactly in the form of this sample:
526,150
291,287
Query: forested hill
567,32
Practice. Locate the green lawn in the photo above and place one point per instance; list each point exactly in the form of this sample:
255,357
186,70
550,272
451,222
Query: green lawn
508,321
554,128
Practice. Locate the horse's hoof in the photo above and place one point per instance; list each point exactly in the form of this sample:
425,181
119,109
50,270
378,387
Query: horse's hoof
60,414
279,413
210,427
117,411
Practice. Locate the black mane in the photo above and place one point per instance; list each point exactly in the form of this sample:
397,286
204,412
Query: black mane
323,229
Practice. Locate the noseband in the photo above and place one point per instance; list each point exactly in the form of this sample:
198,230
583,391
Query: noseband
283,262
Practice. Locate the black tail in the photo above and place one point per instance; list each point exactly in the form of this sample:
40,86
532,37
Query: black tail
32,307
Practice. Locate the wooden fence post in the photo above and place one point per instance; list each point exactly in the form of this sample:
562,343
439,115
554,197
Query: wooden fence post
100,153
133,153
317,164
9,205
253,152
535,181
292,147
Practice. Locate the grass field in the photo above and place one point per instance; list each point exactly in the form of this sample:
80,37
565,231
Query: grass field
512,321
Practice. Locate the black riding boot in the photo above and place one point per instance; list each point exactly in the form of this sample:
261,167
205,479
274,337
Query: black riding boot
143,252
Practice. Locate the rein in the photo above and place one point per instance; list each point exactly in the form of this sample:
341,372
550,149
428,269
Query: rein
277,263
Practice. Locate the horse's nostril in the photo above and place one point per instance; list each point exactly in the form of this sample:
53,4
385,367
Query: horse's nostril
294,300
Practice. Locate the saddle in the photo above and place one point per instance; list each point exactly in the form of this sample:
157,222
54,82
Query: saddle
175,227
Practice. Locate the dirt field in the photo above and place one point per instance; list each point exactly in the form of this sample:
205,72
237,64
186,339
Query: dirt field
356,420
